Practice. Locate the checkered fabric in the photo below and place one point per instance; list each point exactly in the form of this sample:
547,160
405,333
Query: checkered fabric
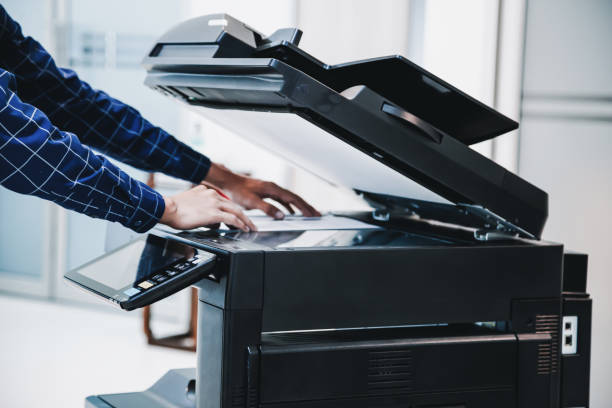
49,119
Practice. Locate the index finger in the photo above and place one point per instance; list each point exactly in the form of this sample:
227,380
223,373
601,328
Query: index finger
282,195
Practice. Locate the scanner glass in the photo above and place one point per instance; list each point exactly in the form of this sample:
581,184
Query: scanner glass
333,238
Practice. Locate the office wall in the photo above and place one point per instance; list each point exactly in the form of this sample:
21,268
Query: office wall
566,146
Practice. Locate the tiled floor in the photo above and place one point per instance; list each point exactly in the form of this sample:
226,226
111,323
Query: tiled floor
54,355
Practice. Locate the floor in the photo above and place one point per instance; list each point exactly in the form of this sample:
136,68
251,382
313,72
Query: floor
54,355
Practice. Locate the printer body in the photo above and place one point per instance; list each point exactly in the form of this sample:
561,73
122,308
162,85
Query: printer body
403,321
452,300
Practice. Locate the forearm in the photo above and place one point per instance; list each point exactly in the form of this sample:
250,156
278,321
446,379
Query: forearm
99,120
130,138
36,158
221,176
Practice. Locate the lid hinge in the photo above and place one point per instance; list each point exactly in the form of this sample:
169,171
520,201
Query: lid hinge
494,228
381,214
495,235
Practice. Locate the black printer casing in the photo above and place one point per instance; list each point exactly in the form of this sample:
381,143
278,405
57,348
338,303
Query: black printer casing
264,337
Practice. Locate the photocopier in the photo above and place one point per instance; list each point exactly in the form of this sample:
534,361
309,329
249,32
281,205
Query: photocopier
449,299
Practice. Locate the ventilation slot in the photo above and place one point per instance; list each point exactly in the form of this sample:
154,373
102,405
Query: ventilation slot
390,372
252,398
544,359
238,397
548,324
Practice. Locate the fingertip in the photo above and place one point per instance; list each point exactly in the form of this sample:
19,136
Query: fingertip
314,212
278,215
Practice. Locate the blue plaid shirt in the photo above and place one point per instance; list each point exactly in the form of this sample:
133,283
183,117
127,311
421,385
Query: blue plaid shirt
49,122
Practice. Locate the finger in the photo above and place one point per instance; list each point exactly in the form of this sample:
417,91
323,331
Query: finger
281,195
234,208
303,206
270,210
306,209
232,220
230,207
287,206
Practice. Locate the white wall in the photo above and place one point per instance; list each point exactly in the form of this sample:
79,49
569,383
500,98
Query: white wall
348,30
566,147
459,45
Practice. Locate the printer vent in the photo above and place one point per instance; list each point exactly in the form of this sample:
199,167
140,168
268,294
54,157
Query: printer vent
390,372
238,397
548,324
544,359
253,398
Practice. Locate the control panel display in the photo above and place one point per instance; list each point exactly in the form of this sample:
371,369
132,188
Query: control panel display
143,271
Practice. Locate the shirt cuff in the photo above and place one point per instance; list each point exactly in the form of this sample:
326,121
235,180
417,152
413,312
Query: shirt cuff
148,212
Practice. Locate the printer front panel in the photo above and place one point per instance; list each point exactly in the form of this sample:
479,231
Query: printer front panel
310,289
229,321
329,370
444,366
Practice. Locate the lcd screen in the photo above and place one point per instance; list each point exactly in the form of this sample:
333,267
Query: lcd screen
135,262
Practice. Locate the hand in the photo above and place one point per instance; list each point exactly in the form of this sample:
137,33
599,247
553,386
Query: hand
201,206
250,193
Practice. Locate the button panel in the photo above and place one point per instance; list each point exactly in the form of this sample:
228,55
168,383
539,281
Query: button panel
169,273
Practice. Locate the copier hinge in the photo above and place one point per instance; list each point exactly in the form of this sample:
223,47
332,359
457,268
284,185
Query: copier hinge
494,235
495,227
381,214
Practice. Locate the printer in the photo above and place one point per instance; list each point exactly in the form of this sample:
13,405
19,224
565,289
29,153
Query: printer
448,299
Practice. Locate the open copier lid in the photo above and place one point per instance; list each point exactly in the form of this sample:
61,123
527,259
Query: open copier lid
384,127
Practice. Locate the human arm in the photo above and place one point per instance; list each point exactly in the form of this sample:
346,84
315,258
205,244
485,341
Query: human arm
100,121
117,129
37,158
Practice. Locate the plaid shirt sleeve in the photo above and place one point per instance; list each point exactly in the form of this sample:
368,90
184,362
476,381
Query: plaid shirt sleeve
37,158
100,121
41,155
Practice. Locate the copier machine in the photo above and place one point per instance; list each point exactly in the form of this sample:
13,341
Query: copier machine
452,301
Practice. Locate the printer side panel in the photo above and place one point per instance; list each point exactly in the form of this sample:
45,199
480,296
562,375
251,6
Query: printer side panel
542,316
575,367
576,332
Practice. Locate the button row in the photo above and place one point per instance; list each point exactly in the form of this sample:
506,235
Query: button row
170,272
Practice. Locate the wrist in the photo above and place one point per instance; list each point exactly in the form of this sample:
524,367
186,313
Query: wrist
221,176
169,210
